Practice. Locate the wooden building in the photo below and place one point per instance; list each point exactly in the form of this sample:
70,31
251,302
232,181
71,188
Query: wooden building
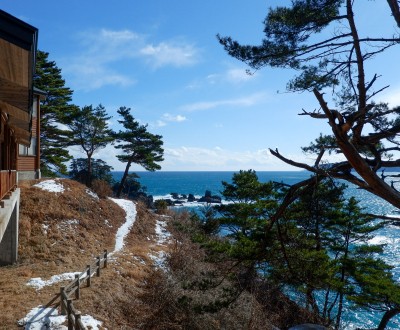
28,158
18,46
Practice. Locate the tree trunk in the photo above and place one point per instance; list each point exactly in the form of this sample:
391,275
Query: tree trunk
386,318
89,176
121,185
375,184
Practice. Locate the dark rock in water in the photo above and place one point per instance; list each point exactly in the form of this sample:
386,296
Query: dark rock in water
207,193
146,199
183,196
191,198
210,199
175,195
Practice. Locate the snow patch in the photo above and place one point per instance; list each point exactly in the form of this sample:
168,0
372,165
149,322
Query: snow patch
130,209
91,323
38,283
40,318
51,185
67,224
43,318
162,233
92,194
159,259
45,228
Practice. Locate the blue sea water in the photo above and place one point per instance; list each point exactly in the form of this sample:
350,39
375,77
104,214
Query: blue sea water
163,183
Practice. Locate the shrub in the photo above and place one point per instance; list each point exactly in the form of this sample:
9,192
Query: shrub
102,188
161,206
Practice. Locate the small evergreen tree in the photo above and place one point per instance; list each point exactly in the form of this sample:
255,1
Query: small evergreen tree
132,187
137,144
100,170
90,131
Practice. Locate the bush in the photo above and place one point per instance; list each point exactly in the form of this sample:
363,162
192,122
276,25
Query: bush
102,188
161,206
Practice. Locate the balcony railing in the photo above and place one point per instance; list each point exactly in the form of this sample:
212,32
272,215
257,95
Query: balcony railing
8,182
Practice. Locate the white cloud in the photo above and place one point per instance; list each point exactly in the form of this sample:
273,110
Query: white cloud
99,54
247,101
391,96
238,75
160,123
187,158
194,158
177,118
170,53
232,76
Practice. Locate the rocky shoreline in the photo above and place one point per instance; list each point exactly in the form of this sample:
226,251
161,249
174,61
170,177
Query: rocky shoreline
180,199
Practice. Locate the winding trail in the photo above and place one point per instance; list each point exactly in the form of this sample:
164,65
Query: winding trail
130,209
47,318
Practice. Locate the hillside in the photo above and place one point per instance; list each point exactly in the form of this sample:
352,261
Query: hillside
62,232
64,226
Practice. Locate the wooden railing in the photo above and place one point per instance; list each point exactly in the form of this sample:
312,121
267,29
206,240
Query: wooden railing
8,182
66,292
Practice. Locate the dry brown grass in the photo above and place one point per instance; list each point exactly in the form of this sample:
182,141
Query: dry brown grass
64,232
59,232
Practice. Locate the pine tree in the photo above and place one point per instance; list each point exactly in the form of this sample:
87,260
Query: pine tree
100,170
322,42
89,128
318,249
137,144
323,228
53,137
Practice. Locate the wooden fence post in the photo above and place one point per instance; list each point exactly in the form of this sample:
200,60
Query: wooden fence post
69,308
88,274
98,266
77,321
105,258
78,287
62,292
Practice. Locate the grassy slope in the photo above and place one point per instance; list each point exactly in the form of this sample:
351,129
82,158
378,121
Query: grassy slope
62,232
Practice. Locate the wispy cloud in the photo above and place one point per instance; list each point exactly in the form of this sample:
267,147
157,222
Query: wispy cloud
391,96
232,76
191,158
176,118
167,117
175,54
246,101
194,158
101,53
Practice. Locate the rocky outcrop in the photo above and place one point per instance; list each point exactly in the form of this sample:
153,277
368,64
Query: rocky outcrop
179,199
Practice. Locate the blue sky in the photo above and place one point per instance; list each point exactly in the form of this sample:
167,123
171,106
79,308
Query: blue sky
162,59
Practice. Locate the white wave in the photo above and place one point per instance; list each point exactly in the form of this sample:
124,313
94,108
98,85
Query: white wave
379,239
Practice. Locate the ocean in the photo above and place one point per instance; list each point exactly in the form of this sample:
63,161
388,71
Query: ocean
161,184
